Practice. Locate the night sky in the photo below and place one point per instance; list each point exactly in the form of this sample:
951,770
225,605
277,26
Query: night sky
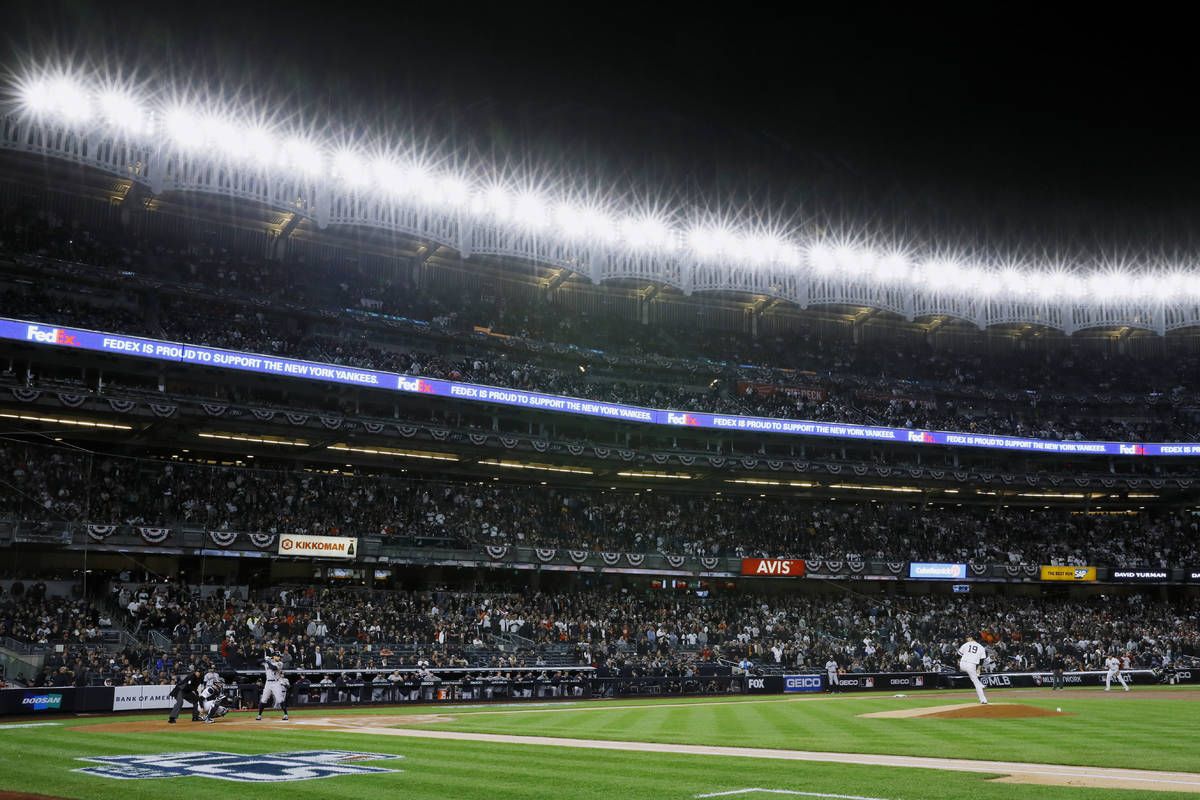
1011,132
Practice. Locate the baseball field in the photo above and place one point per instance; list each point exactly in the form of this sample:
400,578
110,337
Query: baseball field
1079,743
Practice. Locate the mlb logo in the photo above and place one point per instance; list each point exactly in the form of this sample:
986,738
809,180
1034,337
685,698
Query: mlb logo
305,765
919,680
869,683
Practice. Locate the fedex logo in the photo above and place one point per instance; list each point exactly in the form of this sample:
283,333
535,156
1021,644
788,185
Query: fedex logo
681,419
1132,450
414,385
53,336
920,436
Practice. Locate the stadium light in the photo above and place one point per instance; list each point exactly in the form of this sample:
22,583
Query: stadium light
351,169
55,95
123,112
529,211
302,156
59,97
185,128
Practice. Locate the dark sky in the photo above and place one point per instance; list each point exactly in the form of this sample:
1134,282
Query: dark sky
1010,130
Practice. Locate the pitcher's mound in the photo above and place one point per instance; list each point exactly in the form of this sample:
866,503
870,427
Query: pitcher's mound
969,711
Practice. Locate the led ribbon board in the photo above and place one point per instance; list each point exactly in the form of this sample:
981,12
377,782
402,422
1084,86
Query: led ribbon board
117,344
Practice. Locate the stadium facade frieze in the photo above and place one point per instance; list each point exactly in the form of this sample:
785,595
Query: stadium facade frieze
375,550
304,422
82,340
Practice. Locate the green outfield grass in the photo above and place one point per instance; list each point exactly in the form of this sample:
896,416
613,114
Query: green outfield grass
1124,730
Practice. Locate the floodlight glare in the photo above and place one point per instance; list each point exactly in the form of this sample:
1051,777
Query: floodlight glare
529,211
821,259
351,169
123,112
60,97
453,192
226,138
185,128
301,156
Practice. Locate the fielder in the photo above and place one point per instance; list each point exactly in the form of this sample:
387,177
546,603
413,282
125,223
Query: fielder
1114,671
969,656
275,686
831,673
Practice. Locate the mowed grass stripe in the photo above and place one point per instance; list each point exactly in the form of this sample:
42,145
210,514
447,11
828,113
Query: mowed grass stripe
475,771
1144,734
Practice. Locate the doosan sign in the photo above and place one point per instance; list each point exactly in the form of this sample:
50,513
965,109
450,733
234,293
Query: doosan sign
318,546
774,567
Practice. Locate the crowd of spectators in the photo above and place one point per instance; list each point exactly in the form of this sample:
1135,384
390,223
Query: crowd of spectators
616,630
54,484
356,321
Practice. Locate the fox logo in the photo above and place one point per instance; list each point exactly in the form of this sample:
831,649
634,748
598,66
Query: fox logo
681,419
53,336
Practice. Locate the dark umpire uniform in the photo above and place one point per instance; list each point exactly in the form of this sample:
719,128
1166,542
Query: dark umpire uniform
1058,664
187,689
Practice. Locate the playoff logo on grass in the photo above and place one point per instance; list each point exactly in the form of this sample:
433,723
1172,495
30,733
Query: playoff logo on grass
305,765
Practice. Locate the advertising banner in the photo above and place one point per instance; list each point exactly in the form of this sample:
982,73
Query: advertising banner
872,681
794,684
918,569
767,684
1193,574
142,698
773,567
1050,573
768,389
1138,575
295,544
118,344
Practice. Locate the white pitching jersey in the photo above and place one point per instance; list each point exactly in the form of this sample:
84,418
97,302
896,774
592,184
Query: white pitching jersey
1113,663
972,653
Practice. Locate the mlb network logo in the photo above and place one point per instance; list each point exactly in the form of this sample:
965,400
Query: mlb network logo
415,385
681,419
1132,450
53,336
920,436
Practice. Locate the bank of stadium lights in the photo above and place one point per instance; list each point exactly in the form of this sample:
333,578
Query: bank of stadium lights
65,100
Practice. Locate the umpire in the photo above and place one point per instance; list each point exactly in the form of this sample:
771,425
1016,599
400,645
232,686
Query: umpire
1058,664
187,689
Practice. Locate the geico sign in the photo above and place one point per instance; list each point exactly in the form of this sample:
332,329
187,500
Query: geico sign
802,683
779,567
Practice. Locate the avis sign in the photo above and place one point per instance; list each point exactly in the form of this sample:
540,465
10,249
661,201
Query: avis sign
295,544
774,567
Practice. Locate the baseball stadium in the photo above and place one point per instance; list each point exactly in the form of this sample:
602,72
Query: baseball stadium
352,467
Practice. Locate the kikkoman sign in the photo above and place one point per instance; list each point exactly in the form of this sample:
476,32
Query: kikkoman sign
293,544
